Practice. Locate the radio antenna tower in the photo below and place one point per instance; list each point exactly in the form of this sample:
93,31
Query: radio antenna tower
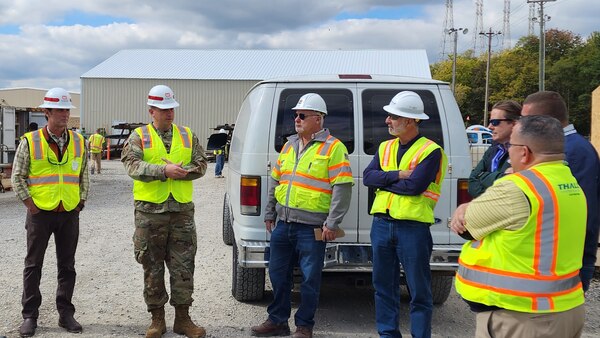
478,27
506,27
448,23
531,18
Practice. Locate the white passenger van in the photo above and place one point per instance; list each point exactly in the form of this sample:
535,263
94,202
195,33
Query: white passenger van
356,117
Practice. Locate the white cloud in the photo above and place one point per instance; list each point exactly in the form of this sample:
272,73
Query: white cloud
44,53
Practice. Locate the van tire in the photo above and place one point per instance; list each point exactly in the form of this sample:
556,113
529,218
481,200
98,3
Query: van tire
247,284
228,237
440,288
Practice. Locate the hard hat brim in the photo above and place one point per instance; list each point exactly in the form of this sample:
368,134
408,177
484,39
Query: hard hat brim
165,106
409,115
54,106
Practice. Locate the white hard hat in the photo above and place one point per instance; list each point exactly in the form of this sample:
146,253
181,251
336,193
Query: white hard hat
407,104
222,131
311,101
162,97
57,98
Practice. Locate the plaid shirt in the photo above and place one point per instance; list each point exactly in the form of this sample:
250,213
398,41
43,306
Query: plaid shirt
20,173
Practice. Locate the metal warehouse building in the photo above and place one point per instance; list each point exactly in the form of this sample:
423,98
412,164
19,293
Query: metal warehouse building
211,84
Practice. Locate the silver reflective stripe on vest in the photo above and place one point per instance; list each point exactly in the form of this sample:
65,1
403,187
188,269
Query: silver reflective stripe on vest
71,179
54,179
327,145
36,138
77,143
524,284
543,303
185,138
306,181
546,256
146,140
546,228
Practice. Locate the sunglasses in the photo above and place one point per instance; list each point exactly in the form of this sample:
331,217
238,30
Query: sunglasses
393,117
496,122
302,116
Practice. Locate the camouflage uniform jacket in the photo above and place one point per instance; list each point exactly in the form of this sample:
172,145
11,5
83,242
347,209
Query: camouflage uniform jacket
132,158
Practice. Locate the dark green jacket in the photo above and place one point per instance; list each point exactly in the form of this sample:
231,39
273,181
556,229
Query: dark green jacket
482,177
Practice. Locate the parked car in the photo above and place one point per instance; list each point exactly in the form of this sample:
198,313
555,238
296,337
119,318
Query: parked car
355,116
480,139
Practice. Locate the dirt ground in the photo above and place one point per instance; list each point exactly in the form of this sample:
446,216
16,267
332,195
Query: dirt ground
108,294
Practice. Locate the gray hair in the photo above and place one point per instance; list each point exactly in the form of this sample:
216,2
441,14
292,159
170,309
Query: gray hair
544,134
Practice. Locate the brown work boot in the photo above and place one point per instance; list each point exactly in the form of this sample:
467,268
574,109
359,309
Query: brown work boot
184,325
303,332
270,329
158,326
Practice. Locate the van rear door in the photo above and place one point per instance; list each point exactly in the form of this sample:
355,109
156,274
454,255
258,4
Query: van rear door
372,98
340,121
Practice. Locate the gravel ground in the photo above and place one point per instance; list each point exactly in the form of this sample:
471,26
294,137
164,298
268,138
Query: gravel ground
108,294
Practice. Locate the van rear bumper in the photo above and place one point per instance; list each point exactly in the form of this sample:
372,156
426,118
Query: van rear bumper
347,256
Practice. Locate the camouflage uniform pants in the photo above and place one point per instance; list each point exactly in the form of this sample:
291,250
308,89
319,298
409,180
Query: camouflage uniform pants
166,238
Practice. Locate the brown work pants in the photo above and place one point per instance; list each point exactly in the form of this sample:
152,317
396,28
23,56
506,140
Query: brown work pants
65,227
508,324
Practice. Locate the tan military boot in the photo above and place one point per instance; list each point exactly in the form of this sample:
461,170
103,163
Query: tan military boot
158,326
184,325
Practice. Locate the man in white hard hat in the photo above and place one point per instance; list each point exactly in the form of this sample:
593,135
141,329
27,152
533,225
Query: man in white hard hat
310,189
163,158
406,173
50,177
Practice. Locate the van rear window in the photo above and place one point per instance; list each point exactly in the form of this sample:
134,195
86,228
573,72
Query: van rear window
376,131
339,120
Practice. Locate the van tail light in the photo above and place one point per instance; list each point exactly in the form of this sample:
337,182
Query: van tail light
250,195
462,194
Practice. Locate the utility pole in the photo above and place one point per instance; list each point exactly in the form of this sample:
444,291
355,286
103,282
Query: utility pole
542,61
489,35
455,32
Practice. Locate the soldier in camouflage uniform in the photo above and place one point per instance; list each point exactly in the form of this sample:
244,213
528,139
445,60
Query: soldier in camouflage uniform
163,159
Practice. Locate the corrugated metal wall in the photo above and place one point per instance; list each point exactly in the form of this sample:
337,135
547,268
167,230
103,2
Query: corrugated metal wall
203,103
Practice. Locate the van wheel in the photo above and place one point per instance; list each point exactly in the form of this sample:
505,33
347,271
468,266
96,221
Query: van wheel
227,222
247,284
440,288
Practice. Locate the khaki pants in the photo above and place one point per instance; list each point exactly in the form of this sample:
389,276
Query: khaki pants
96,162
506,323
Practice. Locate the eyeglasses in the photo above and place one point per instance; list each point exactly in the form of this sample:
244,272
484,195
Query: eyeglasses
393,117
302,116
496,122
508,145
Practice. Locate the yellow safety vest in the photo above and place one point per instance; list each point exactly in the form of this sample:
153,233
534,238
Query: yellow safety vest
533,269
154,151
307,183
403,207
96,141
50,180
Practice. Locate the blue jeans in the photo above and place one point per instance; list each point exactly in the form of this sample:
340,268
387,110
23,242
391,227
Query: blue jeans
288,242
219,164
408,243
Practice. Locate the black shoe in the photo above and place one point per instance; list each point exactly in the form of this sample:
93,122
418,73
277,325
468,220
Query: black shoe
27,329
70,324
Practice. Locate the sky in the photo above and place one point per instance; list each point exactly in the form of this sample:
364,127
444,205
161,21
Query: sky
51,43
